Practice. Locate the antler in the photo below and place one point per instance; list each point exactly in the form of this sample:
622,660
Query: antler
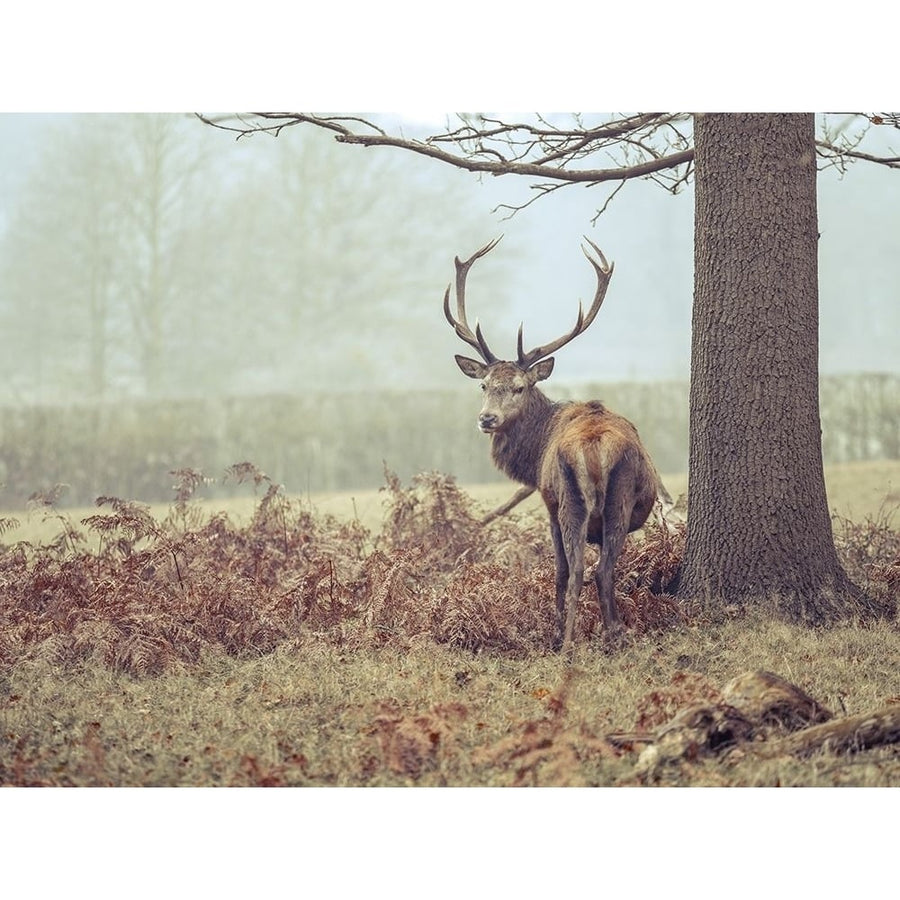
460,324
604,272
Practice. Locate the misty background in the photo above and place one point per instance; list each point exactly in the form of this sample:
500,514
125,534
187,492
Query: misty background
172,297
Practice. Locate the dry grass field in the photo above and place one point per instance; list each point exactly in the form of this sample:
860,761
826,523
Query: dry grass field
855,490
390,640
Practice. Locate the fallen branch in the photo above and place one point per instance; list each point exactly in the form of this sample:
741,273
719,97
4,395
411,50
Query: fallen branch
847,735
515,500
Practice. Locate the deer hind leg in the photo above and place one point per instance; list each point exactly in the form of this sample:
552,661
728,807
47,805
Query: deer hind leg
617,509
613,541
572,525
562,579
574,542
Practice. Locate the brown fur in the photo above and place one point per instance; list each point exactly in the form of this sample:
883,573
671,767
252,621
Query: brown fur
596,442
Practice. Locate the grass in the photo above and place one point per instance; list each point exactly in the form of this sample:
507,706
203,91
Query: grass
855,490
314,715
285,646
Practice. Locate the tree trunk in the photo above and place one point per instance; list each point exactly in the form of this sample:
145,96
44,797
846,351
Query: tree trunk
758,520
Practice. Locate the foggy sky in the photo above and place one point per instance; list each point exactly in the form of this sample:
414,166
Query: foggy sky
643,330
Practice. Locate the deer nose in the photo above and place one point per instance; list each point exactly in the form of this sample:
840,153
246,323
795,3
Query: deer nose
487,421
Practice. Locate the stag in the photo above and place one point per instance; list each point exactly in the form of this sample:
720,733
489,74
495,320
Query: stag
594,474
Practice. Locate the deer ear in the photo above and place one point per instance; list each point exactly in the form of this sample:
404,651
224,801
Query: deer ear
471,367
540,371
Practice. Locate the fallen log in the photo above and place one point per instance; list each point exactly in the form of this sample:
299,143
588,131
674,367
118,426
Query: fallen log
848,735
761,708
767,699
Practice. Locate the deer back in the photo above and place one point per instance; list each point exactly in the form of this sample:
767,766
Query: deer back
587,448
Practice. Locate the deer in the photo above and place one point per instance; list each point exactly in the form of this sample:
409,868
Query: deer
594,475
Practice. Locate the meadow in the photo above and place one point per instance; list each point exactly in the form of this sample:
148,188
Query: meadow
389,639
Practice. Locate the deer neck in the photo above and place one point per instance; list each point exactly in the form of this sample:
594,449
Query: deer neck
518,450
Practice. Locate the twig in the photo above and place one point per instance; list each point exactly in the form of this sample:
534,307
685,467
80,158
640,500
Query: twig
515,500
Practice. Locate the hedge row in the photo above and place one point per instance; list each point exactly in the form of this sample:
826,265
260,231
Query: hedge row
341,441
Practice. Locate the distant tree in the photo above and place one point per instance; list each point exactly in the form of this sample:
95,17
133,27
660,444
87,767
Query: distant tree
136,259
336,263
758,522
159,179
58,261
94,259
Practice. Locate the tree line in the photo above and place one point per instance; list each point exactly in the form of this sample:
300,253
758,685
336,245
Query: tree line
343,441
146,255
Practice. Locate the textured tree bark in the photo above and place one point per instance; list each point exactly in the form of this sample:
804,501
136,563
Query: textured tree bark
758,520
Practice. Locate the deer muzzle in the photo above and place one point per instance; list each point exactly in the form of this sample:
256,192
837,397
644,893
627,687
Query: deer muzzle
487,422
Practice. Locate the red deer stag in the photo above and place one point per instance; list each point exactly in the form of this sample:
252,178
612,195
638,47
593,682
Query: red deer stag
595,476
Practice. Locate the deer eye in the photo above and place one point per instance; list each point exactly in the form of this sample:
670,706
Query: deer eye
483,386
518,389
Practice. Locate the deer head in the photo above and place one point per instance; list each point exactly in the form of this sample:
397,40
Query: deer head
509,387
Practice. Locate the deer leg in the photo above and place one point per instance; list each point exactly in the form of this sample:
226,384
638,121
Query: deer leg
613,540
574,535
573,588
616,519
562,580
570,516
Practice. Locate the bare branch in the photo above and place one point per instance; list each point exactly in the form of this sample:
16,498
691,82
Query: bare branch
533,170
832,153
558,150
521,494
606,202
555,148
541,191
839,143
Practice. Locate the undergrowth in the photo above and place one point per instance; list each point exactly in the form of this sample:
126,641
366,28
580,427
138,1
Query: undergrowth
144,596
870,550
